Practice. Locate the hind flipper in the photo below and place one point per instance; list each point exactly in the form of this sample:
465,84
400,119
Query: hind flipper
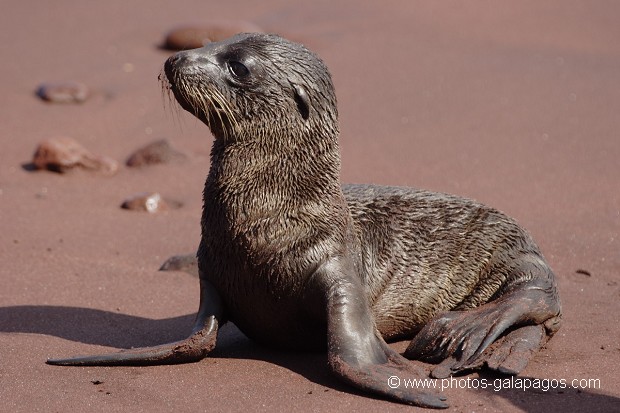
458,339
508,355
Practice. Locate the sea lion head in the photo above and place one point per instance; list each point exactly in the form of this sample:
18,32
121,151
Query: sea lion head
255,86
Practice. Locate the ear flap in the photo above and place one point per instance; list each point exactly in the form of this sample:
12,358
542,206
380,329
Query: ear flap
303,101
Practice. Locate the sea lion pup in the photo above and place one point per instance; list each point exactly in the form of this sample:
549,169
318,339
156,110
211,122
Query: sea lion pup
296,260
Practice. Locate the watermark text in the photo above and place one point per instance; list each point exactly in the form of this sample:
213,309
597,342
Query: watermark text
498,384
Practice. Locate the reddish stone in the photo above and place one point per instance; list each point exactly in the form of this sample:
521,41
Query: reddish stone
63,154
149,202
193,37
157,152
65,92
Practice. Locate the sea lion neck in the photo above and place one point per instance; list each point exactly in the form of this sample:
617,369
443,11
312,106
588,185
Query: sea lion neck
279,173
257,196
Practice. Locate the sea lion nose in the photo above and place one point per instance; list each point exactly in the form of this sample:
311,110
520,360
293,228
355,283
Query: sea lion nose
187,61
187,57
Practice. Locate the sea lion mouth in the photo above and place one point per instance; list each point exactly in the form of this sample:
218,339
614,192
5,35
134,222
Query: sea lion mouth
191,81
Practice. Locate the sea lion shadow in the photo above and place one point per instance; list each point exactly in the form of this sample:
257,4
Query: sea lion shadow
233,344
313,366
105,328
92,326
550,396
121,331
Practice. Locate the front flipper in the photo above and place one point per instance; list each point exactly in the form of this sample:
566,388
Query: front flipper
356,352
194,348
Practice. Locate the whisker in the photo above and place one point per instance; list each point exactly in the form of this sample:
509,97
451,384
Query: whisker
206,102
170,104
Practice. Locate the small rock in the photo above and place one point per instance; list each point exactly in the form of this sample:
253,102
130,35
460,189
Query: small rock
193,37
62,154
154,153
150,202
65,92
583,272
187,263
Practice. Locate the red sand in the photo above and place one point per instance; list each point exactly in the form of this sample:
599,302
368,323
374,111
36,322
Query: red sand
516,105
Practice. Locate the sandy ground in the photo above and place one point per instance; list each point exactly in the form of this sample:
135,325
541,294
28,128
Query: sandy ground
516,105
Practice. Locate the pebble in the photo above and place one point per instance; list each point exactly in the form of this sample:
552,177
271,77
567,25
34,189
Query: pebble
154,153
150,202
193,37
186,263
63,92
62,154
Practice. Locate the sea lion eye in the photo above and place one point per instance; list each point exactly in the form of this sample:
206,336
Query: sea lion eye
238,69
